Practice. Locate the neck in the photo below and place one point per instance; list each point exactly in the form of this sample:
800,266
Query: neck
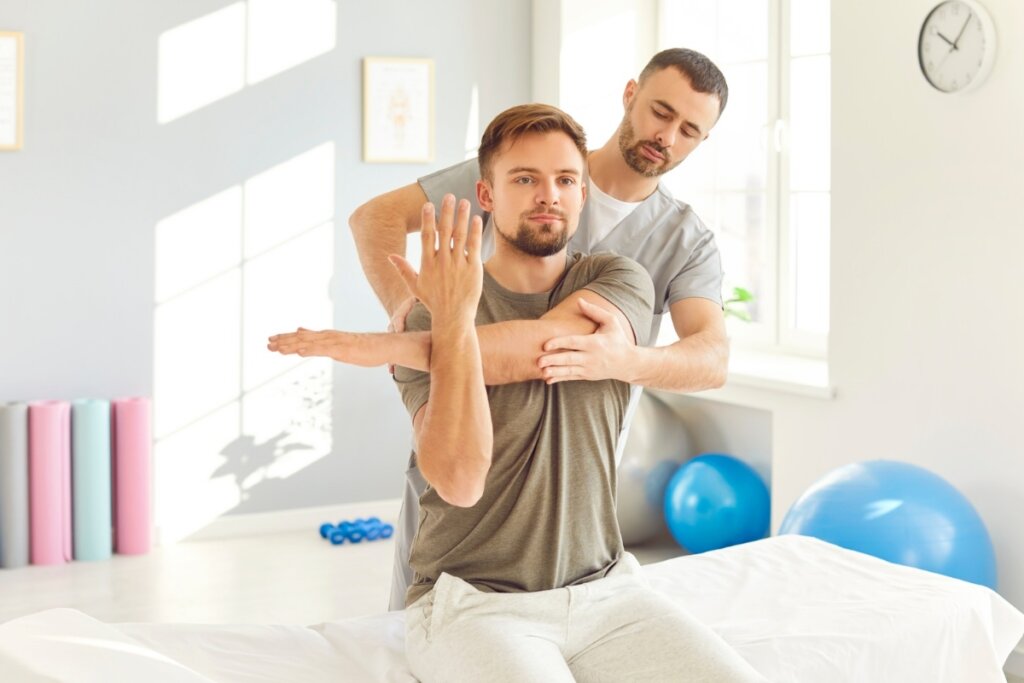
522,273
609,171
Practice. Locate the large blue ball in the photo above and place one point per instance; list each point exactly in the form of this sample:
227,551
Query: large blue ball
714,501
898,512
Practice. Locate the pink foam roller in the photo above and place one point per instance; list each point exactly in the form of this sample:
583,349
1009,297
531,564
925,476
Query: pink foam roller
132,449
49,476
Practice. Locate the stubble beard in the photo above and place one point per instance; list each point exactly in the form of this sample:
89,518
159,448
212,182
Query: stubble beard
528,240
629,146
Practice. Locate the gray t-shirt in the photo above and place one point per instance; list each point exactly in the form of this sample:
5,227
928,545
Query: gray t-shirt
547,515
662,234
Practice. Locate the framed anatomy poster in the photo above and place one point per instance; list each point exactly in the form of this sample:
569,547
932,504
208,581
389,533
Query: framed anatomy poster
12,89
398,110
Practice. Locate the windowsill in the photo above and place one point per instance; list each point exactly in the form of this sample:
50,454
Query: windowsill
763,371
779,372
760,379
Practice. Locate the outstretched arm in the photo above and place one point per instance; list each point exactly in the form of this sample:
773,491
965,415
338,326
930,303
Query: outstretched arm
511,350
698,361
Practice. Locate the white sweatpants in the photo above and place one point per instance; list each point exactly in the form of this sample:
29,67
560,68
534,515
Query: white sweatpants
614,629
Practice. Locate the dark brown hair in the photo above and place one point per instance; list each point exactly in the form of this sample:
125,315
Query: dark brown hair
511,124
702,73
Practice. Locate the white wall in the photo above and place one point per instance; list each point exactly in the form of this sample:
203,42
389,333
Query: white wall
926,328
84,207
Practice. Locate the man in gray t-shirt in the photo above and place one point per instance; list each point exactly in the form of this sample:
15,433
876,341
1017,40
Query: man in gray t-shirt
520,570
669,110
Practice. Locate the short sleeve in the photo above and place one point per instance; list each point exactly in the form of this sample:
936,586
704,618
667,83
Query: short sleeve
701,275
626,285
459,180
414,385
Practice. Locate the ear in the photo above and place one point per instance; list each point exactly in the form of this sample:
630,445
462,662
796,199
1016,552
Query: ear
485,195
583,190
629,93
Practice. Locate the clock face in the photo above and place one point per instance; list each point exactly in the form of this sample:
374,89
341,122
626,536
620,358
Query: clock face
956,45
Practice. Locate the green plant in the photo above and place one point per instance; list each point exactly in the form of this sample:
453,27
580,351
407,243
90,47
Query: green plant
736,306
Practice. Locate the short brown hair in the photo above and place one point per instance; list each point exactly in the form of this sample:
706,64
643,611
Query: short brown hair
702,73
513,123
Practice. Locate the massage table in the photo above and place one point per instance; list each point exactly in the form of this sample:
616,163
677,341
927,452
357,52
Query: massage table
798,609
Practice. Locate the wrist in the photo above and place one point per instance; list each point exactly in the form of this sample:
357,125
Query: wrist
630,368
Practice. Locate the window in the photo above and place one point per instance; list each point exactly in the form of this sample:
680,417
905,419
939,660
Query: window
761,181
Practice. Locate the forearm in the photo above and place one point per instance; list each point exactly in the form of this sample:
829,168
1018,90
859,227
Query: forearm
698,362
511,349
455,439
379,232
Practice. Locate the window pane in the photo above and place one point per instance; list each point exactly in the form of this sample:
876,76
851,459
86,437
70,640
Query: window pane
690,23
742,30
809,212
740,234
809,128
742,154
809,29
727,31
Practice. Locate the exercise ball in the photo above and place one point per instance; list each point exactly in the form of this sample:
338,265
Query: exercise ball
715,501
898,512
657,442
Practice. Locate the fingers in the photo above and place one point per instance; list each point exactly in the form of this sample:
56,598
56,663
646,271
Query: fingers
460,229
407,273
554,375
397,323
475,239
573,342
446,227
428,230
564,359
595,312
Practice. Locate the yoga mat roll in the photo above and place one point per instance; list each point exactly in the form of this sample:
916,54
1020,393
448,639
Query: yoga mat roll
132,448
90,479
13,485
49,481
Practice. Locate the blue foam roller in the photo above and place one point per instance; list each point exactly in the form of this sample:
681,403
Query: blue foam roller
91,501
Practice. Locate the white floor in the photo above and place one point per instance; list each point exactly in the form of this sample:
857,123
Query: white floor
292,577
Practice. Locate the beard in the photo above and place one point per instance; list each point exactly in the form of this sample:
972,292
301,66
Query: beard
546,239
633,156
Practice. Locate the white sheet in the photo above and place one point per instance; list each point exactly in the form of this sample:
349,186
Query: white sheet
797,608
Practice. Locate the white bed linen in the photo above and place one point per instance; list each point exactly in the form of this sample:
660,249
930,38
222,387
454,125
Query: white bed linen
796,608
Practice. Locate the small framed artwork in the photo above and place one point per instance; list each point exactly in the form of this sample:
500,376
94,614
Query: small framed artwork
12,89
398,110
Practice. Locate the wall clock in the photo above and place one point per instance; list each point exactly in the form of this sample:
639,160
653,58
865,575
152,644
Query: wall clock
956,46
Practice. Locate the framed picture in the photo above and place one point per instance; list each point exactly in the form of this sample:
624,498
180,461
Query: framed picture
398,110
12,89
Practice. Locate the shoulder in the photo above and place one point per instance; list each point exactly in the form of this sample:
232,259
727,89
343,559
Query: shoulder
679,212
462,171
601,264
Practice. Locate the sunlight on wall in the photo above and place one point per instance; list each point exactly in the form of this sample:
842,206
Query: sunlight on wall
232,269
200,62
209,58
286,33
473,131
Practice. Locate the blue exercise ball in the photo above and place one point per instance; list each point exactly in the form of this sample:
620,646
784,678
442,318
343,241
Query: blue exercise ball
898,512
715,501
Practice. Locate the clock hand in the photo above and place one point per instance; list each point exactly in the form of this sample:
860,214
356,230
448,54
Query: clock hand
948,41
962,29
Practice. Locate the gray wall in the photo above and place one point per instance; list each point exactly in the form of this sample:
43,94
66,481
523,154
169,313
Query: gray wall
79,204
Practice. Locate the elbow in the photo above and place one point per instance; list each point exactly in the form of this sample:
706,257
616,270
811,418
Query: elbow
461,498
462,485
358,221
